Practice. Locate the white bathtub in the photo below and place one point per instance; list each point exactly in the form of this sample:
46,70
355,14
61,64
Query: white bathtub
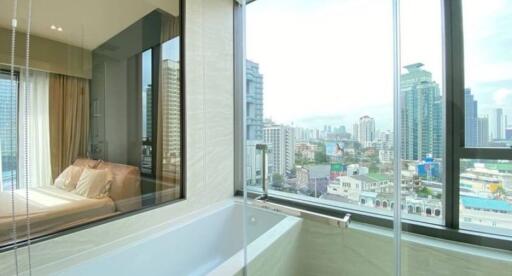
206,244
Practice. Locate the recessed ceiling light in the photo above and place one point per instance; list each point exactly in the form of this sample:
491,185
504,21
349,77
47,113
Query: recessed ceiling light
59,29
53,27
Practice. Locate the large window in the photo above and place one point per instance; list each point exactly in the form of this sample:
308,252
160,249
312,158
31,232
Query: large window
485,181
310,100
319,107
326,115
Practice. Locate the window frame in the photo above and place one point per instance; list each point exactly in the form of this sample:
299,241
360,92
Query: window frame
16,75
453,97
183,155
458,143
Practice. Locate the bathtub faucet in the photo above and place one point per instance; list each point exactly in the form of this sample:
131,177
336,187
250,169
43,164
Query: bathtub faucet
264,185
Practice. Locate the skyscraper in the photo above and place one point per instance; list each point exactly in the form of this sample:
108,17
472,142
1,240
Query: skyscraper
421,114
482,131
281,142
508,133
147,111
254,122
470,119
170,116
366,131
498,129
355,131
8,126
254,105
171,106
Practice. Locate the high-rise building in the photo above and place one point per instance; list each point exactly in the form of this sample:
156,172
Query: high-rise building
281,142
470,119
482,131
508,133
171,128
171,105
421,114
254,104
147,111
8,126
366,131
355,131
254,122
385,139
498,126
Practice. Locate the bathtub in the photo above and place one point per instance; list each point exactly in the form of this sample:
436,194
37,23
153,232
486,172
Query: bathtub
209,243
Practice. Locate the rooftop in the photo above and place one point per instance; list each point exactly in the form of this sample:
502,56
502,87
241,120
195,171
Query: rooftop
484,203
319,171
365,178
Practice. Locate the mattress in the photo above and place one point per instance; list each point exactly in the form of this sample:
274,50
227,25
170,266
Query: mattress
51,209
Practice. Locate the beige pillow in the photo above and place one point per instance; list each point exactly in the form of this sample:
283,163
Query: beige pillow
68,179
94,183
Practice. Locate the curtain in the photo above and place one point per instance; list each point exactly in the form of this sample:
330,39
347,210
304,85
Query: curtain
33,130
69,120
170,27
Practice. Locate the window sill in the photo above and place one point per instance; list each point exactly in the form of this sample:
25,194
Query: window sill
421,229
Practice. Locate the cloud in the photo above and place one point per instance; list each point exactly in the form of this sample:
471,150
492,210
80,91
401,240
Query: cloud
501,96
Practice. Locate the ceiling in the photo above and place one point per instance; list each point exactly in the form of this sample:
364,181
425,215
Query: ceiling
85,23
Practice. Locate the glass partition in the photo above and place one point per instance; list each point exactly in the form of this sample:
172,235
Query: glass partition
392,111
312,75
91,123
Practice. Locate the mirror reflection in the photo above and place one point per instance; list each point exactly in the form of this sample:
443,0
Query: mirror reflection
93,128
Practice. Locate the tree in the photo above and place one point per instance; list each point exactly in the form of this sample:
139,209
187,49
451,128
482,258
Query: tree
277,179
500,191
424,192
293,171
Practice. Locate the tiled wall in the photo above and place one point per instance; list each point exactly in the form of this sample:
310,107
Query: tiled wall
209,89
368,250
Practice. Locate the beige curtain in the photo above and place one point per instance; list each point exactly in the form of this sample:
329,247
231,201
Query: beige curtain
69,120
170,27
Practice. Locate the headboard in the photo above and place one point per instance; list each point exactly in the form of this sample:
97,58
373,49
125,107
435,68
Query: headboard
125,190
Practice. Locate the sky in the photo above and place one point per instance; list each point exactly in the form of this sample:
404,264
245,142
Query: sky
331,61
170,50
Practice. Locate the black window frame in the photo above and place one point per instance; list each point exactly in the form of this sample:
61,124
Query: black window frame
454,148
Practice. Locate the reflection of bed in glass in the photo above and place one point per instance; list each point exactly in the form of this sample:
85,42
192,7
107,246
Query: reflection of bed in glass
52,209
95,98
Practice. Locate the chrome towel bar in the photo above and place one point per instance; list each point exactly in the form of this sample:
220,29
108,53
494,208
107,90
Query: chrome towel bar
330,220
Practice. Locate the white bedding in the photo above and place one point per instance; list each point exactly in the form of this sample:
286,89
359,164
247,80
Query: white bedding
51,209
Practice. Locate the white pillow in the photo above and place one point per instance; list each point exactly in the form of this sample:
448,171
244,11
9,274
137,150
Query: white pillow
94,183
68,179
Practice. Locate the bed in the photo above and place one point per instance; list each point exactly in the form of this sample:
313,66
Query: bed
53,209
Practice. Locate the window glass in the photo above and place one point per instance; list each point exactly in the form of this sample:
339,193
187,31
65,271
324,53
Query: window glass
486,195
422,110
312,101
324,103
92,129
8,126
487,73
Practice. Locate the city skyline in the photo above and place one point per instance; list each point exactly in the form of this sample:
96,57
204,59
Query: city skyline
326,164
491,87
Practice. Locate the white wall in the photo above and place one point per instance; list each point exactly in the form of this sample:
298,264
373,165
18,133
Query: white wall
209,98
